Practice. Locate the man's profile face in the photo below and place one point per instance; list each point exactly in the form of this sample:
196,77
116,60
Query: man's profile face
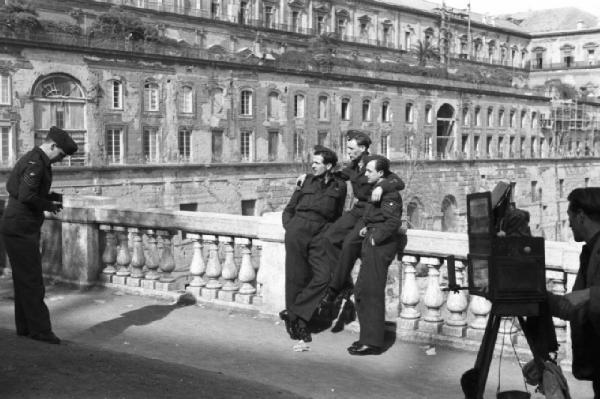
575,223
354,150
319,168
56,154
372,174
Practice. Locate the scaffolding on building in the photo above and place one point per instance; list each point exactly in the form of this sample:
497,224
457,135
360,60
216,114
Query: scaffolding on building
448,15
572,129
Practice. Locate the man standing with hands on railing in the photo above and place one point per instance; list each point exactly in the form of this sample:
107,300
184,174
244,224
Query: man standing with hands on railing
28,187
582,305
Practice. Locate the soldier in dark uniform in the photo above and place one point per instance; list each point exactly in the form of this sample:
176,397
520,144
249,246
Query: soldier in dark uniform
381,221
342,243
28,187
315,204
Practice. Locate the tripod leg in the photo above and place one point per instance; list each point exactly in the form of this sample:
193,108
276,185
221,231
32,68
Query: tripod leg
486,351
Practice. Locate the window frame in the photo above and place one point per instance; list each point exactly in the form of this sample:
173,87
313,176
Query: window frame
149,140
151,96
409,110
5,89
247,145
323,107
186,148
345,114
366,113
386,115
299,105
116,95
186,100
246,104
110,142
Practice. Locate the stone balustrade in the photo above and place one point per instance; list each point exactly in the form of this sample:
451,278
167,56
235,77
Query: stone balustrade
239,260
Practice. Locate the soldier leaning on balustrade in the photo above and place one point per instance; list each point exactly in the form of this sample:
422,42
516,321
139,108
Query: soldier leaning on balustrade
317,202
341,246
379,236
28,187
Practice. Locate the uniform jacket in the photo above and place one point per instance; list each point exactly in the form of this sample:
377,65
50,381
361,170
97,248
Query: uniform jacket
28,187
360,185
384,217
316,200
585,321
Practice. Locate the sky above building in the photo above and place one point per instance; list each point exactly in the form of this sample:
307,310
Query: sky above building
513,6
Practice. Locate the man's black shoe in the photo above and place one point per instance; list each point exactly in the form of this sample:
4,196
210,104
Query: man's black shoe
364,350
290,326
355,344
346,315
47,337
303,333
22,333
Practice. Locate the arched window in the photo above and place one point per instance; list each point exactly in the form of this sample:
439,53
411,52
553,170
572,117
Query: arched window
186,100
345,109
246,103
60,101
465,116
428,114
273,105
151,96
408,113
490,116
366,110
299,106
477,116
501,117
323,108
523,119
385,111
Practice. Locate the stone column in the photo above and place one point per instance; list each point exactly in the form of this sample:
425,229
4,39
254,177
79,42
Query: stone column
137,259
480,307
123,256
229,271
409,315
109,256
433,298
457,303
247,274
197,266
166,263
152,259
213,268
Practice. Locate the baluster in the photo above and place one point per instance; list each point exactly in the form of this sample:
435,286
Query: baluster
409,316
137,259
229,271
213,268
166,263
392,289
433,298
247,274
152,260
260,278
109,256
457,303
197,266
480,307
123,256
558,288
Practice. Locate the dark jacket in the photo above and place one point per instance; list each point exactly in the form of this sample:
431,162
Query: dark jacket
317,200
28,187
360,186
384,218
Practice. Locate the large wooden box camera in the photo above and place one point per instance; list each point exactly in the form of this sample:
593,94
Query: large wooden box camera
509,271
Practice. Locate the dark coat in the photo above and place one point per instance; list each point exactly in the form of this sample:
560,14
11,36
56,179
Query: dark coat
385,217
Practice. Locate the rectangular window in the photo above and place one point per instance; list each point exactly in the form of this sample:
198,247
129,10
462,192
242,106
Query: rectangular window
4,144
407,42
114,146
298,143
299,106
295,21
249,207
322,136
323,108
151,97
273,145
184,143
345,111
246,103
185,100
385,112
60,117
150,144
214,9
217,145
534,191
320,24
268,16
5,89
246,145
561,188
384,146
117,95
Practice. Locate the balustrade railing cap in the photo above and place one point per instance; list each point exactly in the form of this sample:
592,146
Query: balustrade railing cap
430,261
225,239
409,259
209,237
242,240
193,236
105,227
119,228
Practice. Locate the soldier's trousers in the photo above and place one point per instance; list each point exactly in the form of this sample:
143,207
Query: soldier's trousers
306,276
370,289
31,313
341,246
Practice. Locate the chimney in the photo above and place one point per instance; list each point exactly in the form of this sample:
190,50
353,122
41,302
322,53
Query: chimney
580,25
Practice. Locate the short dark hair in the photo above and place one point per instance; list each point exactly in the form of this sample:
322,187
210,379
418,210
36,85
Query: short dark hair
329,156
381,163
586,200
361,137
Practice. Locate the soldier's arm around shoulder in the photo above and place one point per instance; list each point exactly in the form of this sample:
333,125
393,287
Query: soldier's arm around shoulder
392,183
391,208
290,209
341,200
29,186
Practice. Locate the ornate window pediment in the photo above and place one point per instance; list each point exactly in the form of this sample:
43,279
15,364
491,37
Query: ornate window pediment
297,3
342,14
217,49
463,38
387,22
567,47
365,19
321,9
538,49
590,45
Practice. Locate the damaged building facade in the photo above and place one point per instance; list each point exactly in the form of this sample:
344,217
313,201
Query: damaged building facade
218,109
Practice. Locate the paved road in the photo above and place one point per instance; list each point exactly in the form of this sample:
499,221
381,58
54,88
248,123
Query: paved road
123,346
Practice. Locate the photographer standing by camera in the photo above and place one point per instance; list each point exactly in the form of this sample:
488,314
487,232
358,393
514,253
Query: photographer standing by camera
28,187
582,305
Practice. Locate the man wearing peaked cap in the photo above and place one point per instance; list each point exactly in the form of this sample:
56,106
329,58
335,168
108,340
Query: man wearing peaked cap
582,305
28,187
